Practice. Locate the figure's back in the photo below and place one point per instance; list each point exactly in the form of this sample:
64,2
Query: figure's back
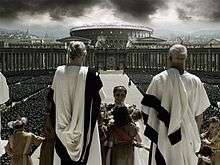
20,142
193,86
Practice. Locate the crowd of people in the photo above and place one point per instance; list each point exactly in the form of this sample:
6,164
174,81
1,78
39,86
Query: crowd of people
66,115
17,92
27,98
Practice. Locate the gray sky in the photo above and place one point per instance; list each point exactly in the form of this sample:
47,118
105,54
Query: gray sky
56,17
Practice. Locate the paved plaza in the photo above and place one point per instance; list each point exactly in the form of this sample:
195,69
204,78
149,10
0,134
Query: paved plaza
111,79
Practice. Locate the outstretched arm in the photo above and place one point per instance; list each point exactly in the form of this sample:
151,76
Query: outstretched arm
37,140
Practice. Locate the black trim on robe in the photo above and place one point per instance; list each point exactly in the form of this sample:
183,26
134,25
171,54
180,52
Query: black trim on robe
163,115
150,153
159,157
92,98
175,137
153,136
150,132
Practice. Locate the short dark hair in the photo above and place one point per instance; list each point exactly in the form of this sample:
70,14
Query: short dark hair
19,126
119,88
136,115
121,116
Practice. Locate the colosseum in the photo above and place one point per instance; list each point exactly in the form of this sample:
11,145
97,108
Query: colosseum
110,42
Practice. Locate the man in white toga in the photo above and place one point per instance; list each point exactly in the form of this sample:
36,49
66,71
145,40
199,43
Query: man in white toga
77,96
173,108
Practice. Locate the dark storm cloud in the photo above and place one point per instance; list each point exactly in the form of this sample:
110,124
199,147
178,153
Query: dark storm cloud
56,8
126,9
74,8
137,8
216,12
182,14
198,8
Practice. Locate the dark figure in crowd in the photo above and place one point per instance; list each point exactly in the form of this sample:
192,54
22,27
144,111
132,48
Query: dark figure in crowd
47,147
210,151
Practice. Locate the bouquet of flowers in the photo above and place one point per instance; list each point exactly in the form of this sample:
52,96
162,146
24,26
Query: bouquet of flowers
106,119
134,113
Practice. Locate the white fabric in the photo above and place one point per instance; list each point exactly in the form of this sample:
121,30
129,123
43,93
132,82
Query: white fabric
176,104
94,153
56,159
4,96
218,103
69,96
95,150
102,94
141,155
3,143
184,97
4,91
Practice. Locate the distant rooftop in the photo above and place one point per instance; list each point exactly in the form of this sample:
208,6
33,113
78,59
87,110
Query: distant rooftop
109,26
149,40
74,38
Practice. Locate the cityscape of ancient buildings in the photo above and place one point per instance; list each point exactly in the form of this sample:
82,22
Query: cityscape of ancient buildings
109,47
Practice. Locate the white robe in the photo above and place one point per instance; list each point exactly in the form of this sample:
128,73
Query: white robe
186,93
140,154
4,91
69,84
69,94
4,96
